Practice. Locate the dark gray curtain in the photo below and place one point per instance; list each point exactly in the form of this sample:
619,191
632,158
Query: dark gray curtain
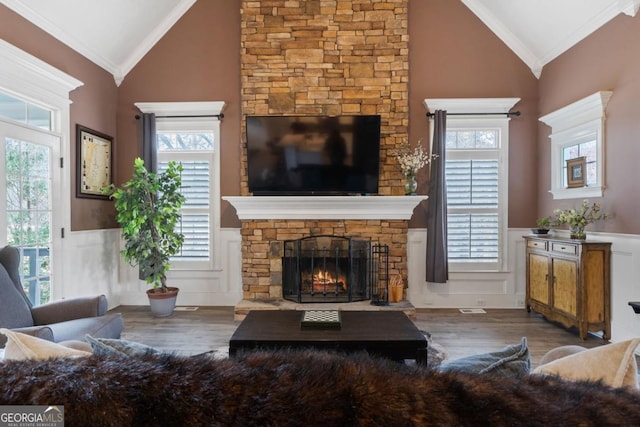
437,258
148,138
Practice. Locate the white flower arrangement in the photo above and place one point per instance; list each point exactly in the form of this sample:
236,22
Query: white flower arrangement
580,218
412,161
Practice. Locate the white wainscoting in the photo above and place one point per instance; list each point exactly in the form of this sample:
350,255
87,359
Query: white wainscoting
507,289
222,287
89,263
92,264
504,289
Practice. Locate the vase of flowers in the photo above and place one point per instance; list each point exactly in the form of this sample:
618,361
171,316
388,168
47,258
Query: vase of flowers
411,161
410,184
578,219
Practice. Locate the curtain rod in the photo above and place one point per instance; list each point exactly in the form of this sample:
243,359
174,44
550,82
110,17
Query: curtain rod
218,116
510,113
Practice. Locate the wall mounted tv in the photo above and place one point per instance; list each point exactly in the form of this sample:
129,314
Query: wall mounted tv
313,155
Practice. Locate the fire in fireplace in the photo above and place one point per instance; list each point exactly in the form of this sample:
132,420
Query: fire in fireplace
334,269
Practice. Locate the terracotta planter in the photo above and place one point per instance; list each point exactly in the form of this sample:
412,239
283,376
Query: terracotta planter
162,303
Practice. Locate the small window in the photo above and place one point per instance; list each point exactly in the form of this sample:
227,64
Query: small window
24,112
586,150
577,130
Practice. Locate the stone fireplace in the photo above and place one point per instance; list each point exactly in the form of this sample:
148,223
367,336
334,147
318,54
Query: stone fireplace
269,221
324,57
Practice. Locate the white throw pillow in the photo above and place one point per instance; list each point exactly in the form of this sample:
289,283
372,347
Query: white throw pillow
614,364
22,346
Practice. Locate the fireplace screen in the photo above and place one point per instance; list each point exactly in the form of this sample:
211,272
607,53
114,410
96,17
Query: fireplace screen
319,269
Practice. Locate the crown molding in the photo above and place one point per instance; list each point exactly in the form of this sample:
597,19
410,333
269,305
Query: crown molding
629,7
511,40
590,26
537,62
21,8
154,36
118,70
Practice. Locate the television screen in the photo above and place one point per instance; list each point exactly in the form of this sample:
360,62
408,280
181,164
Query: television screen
323,155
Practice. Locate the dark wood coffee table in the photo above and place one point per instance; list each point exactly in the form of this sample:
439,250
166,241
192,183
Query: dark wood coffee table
389,334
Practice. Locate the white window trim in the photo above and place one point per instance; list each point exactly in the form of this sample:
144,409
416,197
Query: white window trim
32,79
572,125
500,106
186,109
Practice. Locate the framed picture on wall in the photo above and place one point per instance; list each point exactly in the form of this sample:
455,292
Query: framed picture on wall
576,172
94,163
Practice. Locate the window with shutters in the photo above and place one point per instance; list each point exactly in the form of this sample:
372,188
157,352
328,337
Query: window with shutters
190,135
475,175
476,179
194,151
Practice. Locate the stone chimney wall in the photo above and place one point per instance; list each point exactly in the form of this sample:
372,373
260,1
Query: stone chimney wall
324,57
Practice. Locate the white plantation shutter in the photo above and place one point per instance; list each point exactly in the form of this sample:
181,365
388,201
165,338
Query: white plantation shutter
472,201
194,225
194,150
474,179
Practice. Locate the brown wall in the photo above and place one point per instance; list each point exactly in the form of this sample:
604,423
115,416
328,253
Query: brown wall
606,60
452,54
94,104
197,60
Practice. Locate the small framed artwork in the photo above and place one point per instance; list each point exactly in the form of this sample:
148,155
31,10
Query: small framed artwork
94,163
576,170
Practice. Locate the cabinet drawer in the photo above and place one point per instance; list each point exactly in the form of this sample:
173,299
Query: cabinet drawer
564,248
537,244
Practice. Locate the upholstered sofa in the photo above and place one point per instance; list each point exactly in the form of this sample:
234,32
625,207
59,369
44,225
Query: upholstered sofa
63,320
117,385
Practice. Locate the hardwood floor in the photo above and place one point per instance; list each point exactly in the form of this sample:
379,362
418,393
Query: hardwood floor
209,328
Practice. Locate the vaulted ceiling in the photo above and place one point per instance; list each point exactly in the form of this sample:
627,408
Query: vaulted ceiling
116,34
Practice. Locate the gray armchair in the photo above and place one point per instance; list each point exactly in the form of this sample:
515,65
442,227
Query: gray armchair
63,320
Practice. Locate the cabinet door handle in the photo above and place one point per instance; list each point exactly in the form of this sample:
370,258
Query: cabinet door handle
546,277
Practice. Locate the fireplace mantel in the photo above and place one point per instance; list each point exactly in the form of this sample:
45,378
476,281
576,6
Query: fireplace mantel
325,207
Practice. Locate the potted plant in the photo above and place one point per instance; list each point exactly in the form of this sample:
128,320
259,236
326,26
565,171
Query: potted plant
543,225
148,210
578,219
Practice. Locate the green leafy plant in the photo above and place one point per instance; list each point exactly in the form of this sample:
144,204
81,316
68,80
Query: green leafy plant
148,210
544,222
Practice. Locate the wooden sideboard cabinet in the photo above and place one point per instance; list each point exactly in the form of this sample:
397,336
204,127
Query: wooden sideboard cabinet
568,282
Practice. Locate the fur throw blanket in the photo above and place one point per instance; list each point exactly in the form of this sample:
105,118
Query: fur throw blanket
305,388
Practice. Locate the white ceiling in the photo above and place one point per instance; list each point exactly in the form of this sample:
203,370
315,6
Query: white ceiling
540,30
116,34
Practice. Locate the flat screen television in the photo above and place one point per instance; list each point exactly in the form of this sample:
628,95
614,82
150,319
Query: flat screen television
313,155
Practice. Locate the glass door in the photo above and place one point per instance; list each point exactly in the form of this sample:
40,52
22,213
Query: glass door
28,185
